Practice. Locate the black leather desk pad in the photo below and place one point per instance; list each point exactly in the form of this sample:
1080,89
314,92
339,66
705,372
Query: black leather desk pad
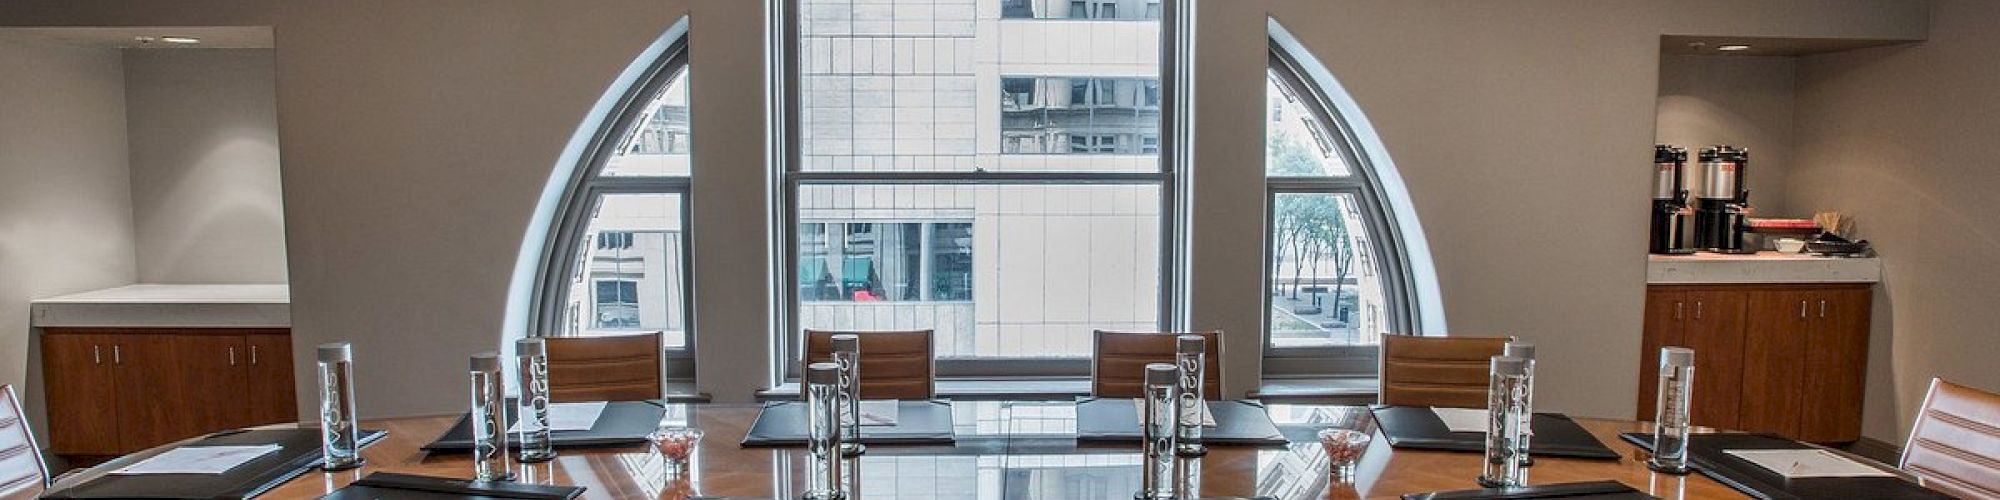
917,422
623,423
1705,451
392,486
1117,420
300,453
1594,490
1418,428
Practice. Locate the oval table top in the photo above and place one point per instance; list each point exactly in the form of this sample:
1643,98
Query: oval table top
970,469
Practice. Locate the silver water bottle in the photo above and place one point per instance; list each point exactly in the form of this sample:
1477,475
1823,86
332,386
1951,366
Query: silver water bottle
1506,405
531,357
1670,422
847,354
1161,424
823,432
340,437
1525,351
1191,359
490,461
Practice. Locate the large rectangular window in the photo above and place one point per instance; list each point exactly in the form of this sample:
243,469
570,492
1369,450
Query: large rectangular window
976,169
631,271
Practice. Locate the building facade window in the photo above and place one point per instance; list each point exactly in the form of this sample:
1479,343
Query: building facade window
1333,273
621,239
961,167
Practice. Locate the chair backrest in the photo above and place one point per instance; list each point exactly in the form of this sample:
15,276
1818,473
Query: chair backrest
22,472
1449,372
1118,362
619,368
894,364
1954,447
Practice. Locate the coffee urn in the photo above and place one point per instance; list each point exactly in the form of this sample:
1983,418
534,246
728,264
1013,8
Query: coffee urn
1670,201
1724,203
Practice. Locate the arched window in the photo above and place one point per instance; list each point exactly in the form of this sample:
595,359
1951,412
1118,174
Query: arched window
617,262
1337,274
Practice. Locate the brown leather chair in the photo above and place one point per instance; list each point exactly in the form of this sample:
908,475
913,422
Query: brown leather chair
894,364
22,472
1118,362
620,368
1955,446
1449,372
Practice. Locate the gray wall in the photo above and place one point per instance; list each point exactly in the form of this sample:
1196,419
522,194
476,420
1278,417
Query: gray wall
420,137
1902,138
1744,101
65,208
204,157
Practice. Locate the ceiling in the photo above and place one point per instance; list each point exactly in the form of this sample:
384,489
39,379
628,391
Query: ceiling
212,37
1705,45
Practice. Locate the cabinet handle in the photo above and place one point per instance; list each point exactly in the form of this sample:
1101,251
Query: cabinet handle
1822,308
117,356
1802,309
232,355
1678,307
1697,309
253,354
96,355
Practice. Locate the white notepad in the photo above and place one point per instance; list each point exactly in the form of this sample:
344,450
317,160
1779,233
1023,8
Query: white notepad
1795,464
570,416
880,412
198,459
1207,416
1463,419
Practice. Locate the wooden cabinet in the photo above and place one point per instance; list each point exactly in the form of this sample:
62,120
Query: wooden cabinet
116,391
1783,359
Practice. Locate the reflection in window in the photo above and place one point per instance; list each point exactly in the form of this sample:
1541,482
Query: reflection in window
631,279
1080,9
885,261
1077,115
617,304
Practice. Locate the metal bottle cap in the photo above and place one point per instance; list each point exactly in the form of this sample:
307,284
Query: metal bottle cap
847,342
488,361
822,373
336,352
1161,374
1676,357
1520,349
533,346
1188,344
1510,366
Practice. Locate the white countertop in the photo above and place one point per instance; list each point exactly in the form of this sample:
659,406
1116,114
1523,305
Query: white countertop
1761,267
169,306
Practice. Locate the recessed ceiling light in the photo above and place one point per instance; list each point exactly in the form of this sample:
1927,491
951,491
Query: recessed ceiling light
1732,48
186,39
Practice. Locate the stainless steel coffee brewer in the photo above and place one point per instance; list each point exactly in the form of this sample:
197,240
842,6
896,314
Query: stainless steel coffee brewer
1724,203
1670,201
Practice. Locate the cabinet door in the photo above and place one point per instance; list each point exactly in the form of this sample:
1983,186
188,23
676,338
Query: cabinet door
1774,348
150,406
81,387
1715,332
215,378
1836,364
273,398
1666,311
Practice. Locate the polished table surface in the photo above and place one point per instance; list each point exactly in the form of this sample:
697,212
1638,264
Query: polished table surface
1005,450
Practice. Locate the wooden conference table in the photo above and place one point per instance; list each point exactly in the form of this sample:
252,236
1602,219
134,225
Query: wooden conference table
1005,450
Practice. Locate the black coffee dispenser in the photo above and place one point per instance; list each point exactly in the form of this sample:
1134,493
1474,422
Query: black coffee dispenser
1724,203
1670,201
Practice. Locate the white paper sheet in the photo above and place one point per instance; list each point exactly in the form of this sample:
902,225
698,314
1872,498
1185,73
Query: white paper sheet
880,412
1808,463
1207,415
1463,419
570,416
198,459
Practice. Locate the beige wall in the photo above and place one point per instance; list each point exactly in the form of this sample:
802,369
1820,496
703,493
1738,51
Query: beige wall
1743,101
1902,138
204,157
65,208
419,138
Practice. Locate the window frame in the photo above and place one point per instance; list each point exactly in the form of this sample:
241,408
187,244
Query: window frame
587,189
1386,242
788,335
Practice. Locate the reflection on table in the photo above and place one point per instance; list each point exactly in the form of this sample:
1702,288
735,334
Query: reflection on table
1003,450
